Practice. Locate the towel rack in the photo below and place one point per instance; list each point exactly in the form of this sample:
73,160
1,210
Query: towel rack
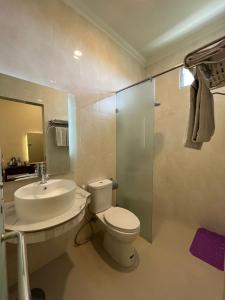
58,123
203,48
218,93
210,61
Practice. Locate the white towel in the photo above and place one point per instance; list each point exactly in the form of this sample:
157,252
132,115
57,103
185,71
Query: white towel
61,136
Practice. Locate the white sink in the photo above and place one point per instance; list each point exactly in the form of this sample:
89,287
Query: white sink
37,202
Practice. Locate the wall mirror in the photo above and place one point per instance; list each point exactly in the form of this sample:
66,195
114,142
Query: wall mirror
33,129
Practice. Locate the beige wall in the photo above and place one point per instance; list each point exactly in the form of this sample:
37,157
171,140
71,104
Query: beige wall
96,137
38,39
17,119
188,184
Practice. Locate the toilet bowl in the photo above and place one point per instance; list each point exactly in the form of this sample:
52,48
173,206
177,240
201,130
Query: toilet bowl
119,236
121,226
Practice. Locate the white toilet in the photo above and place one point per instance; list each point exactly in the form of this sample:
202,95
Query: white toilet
122,226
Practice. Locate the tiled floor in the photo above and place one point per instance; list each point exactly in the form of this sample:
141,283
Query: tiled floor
166,270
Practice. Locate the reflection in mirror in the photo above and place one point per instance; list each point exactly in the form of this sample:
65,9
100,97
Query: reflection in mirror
21,138
35,145
33,128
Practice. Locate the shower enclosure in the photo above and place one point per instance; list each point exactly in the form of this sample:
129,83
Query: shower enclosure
135,121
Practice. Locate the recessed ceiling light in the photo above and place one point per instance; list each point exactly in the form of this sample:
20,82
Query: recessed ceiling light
77,53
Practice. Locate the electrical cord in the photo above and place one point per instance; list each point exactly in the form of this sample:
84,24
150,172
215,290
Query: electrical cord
88,222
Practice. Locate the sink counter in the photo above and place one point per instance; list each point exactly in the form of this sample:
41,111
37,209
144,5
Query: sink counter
44,230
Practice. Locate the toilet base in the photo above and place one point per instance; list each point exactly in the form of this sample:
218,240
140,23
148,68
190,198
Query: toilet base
123,253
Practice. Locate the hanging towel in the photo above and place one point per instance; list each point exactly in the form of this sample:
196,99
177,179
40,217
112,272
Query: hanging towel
61,136
201,124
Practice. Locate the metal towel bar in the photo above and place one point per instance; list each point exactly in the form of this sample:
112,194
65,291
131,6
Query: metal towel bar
23,277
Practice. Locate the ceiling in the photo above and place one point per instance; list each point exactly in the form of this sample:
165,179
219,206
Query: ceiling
148,29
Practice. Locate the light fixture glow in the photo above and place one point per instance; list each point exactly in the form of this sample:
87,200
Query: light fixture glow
76,57
77,53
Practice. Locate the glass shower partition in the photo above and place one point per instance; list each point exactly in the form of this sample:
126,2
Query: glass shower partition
135,121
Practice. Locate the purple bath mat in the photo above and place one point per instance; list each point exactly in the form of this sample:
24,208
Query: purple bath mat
209,247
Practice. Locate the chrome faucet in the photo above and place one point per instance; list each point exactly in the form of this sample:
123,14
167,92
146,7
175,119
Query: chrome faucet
42,172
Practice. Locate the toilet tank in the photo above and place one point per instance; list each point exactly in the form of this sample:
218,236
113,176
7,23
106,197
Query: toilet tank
101,195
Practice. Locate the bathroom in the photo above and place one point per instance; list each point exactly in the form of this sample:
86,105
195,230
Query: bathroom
70,58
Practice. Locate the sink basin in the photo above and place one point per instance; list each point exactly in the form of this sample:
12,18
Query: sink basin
38,202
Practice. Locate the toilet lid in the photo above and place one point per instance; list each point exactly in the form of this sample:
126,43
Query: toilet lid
122,219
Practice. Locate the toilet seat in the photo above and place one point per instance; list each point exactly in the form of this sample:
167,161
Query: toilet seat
121,219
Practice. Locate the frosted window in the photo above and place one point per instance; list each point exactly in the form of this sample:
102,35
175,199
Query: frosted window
186,77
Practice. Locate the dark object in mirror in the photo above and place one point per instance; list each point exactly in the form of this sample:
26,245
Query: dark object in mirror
37,294
12,162
12,173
